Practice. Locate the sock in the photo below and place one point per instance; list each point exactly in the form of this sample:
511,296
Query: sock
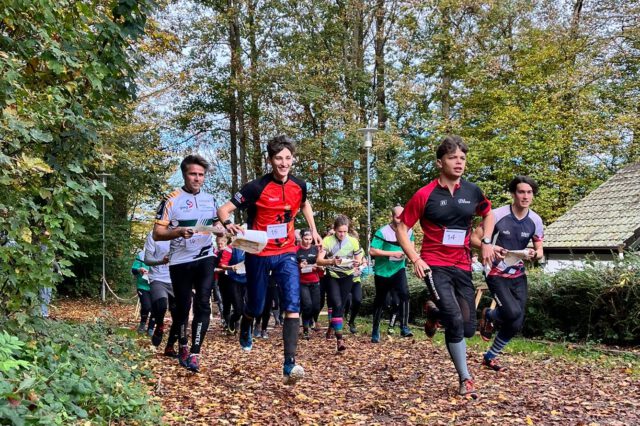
245,325
152,323
458,352
499,342
336,324
290,338
329,316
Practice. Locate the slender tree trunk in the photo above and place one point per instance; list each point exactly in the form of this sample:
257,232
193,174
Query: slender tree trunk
380,39
237,73
254,111
445,76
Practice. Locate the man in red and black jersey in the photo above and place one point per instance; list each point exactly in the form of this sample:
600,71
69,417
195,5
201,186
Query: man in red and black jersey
445,208
272,203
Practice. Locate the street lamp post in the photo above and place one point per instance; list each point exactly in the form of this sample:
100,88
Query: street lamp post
103,280
368,132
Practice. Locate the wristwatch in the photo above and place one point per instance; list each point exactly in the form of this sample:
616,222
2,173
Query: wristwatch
226,223
486,240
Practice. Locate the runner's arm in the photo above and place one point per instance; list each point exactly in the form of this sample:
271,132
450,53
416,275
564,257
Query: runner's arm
539,252
385,253
224,214
324,262
420,267
487,250
164,233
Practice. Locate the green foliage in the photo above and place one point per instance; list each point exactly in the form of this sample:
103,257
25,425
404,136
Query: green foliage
67,69
61,373
599,303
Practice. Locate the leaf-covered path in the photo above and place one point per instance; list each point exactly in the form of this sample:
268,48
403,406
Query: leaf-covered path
400,381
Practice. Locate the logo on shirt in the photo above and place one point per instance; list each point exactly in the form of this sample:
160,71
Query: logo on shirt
238,197
274,199
189,204
506,232
524,234
443,203
463,201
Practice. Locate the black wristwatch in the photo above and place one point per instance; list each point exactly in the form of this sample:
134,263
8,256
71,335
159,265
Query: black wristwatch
226,223
486,241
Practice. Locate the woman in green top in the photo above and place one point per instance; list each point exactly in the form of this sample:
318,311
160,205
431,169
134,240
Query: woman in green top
139,270
341,254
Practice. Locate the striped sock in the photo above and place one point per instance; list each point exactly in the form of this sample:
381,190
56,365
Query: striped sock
497,347
336,324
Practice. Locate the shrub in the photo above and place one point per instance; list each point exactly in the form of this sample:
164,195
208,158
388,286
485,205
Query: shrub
598,303
61,373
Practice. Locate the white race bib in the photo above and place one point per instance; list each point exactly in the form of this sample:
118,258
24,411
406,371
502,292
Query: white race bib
307,269
454,237
277,231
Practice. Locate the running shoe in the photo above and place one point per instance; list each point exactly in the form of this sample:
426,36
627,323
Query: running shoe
246,341
256,332
305,334
431,325
352,328
486,326
375,335
468,389
492,364
193,363
292,373
406,332
340,345
141,329
183,355
264,334
170,352
156,336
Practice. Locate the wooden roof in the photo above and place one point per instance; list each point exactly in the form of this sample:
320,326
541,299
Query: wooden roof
609,217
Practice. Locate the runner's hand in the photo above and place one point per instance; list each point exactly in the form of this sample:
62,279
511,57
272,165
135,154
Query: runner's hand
421,269
234,229
317,239
165,260
530,254
218,230
499,252
185,233
488,254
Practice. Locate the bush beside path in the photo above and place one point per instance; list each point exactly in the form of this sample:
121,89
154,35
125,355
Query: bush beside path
400,381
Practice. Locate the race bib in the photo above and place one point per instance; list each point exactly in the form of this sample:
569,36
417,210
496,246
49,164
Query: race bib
277,231
307,269
197,241
454,237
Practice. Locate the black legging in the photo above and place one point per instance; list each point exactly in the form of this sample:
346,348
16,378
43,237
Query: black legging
233,296
196,275
324,283
454,296
270,302
385,286
338,291
510,295
353,302
145,307
309,302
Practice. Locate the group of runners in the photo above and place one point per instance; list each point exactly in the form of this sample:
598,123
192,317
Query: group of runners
187,264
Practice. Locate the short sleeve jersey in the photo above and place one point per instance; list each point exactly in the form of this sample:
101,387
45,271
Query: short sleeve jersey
310,255
183,209
348,249
272,207
514,234
157,250
141,282
385,239
438,212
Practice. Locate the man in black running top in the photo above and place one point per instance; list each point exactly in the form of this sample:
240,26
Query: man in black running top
445,208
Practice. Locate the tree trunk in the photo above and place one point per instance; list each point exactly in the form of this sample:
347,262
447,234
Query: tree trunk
381,103
254,102
237,83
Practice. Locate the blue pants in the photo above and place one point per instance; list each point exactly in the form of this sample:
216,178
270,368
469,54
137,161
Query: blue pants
284,270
